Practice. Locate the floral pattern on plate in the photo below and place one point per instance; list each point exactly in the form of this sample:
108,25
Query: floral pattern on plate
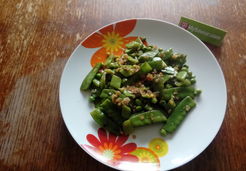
114,150
110,40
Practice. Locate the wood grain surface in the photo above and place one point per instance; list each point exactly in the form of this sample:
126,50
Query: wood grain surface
37,38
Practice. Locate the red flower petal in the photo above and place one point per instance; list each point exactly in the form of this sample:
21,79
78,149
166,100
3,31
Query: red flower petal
121,140
129,157
102,134
125,27
93,41
128,148
107,29
99,56
93,140
112,138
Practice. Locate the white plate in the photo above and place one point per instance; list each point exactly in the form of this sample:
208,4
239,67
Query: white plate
145,149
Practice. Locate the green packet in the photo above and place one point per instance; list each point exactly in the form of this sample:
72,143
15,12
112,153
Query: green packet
203,31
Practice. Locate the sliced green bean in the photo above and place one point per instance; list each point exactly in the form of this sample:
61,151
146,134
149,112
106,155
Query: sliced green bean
98,116
145,68
115,82
126,111
157,63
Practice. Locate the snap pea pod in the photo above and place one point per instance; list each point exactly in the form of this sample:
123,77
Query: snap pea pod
131,90
90,76
125,112
102,120
157,63
109,60
178,115
159,82
181,75
177,60
98,116
132,60
178,92
145,68
148,55
107,93
96,82
109,109
133,45
144,118
115,82
127,70
165,55
103,80
128,127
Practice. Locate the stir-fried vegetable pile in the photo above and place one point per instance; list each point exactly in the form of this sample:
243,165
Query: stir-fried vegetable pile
143,86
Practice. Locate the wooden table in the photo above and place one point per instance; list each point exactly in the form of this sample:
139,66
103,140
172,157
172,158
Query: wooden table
36,39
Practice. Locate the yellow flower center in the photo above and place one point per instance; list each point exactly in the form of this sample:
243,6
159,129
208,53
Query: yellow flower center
112,41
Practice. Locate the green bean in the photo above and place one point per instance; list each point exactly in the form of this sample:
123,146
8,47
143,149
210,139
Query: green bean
177,60
128,127
127,70
141,119
146,118
132,60
154,100
96,82
109,60
98,75
90,76
169,70
148,55
126,111
92,98
181,75
103,80
178,115
113,65
165,55
138,108
107,93
132,90
128,94
178,92
133,45
157,63
159,82
115,82
138,102
103,121
148,107
108,108
145,68
98,116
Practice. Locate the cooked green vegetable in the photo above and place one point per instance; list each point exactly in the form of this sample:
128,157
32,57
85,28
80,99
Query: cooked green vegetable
143,86
88,79
178,115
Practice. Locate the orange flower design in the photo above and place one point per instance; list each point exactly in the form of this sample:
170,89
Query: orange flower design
111,39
